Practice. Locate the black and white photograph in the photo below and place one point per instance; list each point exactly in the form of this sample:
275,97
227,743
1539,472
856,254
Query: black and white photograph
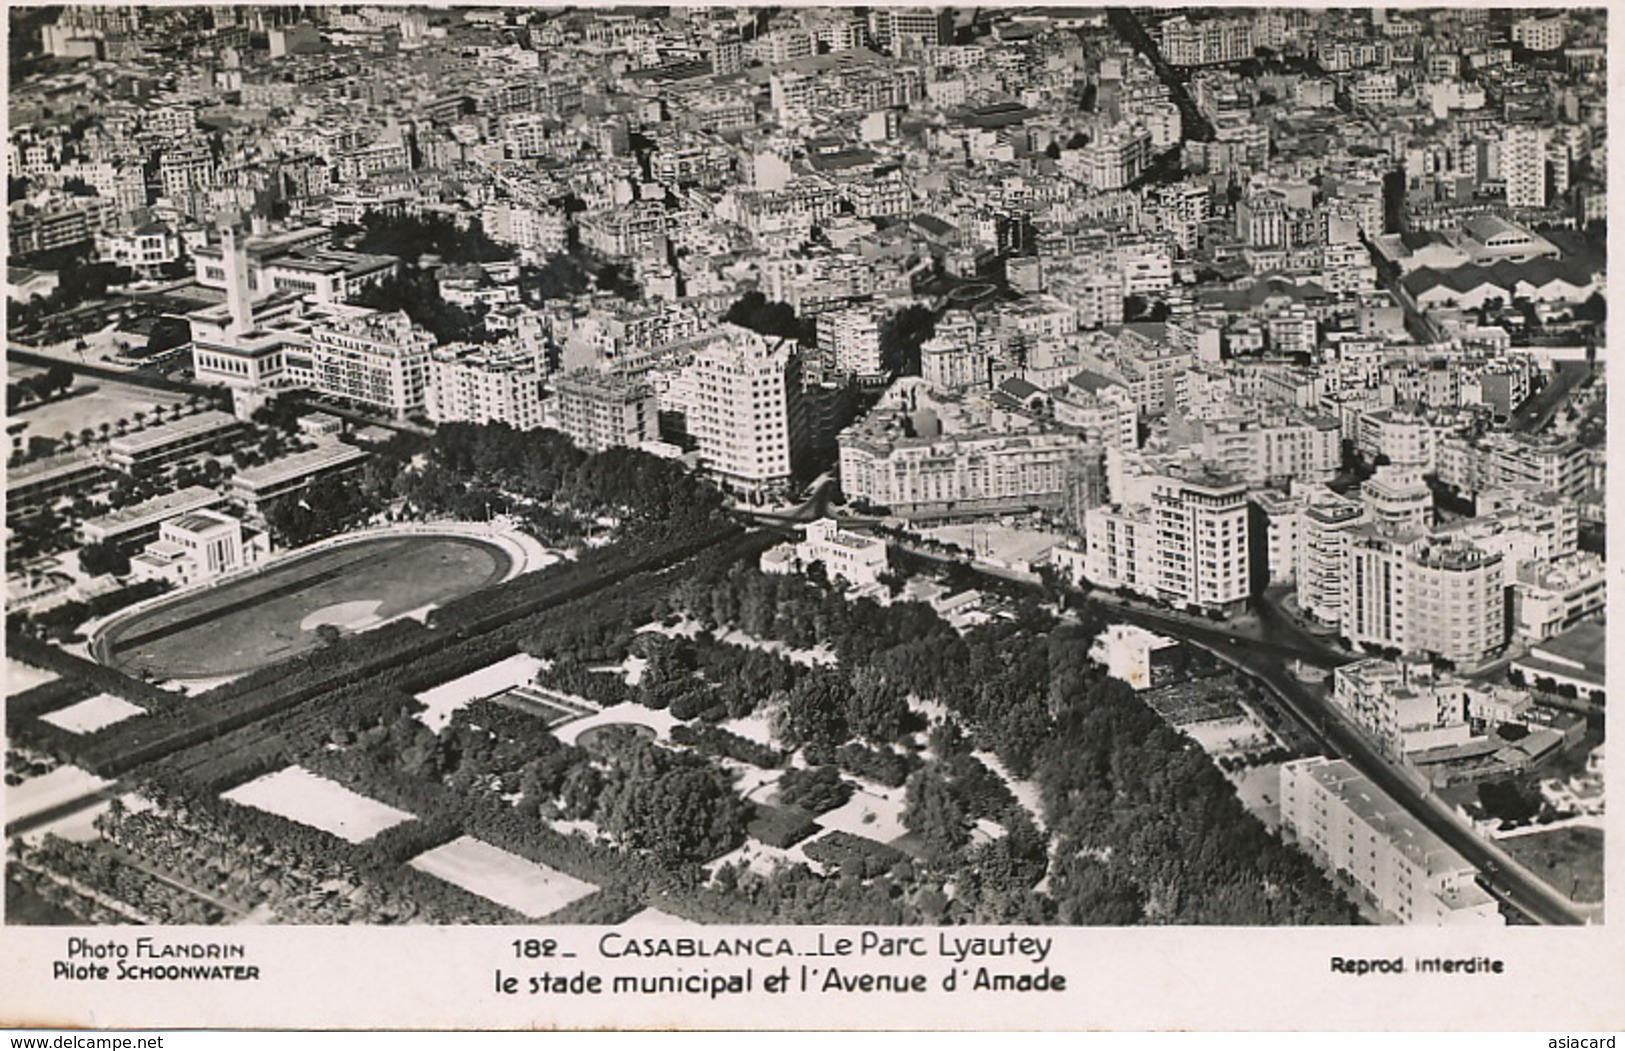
706,515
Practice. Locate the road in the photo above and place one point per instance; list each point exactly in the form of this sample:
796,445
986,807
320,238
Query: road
1261,653
135,377
1538,409
1262,659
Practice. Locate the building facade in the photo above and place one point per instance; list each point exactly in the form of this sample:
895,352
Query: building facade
600,410
1351,827
379,360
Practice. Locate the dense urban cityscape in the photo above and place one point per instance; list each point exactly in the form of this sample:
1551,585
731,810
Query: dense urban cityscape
889,465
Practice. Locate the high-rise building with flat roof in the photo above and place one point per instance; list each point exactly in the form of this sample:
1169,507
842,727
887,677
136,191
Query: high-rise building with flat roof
600,410
486,384
743,409
380,360
1436,595
1350,826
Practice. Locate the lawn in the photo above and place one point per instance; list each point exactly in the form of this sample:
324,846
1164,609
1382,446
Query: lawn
299,795
507,879
21,677
254,621
39,794
92,714
1569,860
448,697
90,402
869,814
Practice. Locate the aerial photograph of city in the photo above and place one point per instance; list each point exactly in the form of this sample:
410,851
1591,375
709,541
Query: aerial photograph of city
647,467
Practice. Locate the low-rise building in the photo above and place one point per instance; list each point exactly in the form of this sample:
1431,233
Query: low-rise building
1572,663
857,559
40,482
1405,706
1134,655
199,546
1350,826
1551,597
140,523
168,442
254,487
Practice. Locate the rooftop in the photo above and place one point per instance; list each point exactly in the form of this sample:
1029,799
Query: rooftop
159,508
325,456
1373,808
1585,644
151,438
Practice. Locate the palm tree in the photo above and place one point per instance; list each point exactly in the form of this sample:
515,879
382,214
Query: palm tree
106,429
140,419
123,424
87,436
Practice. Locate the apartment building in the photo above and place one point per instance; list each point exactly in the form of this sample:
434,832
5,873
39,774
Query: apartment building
1404,706
379,360
1416,593
1350,826
1101,409
1550,597
1397,497
1277,522
1500,460
1259,450
1206,42
486,384
601,410
850,340
744,409
1186,544
938,456
1327,525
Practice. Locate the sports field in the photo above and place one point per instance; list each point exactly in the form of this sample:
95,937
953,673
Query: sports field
248,623
299,795
507,879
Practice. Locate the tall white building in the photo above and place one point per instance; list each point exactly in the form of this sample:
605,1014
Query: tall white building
600,410
850,340
1324,530
1436,595
1350,825
379,360
743,409
1523,164
1187,544
1540,34
486,384
1213,40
